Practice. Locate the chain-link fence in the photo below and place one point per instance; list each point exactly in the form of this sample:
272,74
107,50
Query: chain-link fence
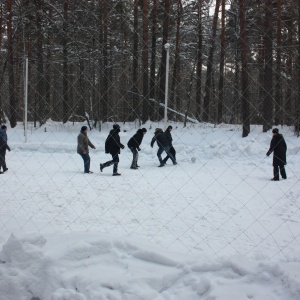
232,64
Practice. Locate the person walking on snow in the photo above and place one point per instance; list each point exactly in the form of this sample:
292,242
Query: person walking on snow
83,144
278,147
163,143
113,146
3,147
134,145
172,149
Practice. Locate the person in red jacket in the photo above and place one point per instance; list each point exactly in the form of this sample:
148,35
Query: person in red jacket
278,147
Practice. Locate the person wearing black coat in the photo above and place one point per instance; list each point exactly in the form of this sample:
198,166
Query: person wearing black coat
163,143
113,146
278,147
3,147
134,145
172,149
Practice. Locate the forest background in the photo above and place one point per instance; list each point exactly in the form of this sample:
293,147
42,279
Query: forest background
231,61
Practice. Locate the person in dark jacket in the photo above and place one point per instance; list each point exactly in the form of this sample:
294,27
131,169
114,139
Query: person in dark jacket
83,144
113,146
134,145
3,147
278,147
172,149
163,143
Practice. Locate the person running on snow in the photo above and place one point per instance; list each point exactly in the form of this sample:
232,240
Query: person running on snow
134,145
3,147
172,149
163,145
113,146
83,144
278,146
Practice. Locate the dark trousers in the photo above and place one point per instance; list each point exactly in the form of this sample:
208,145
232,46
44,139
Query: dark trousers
167,149
173,152
279,169
2,160
86,162
114,161
135,157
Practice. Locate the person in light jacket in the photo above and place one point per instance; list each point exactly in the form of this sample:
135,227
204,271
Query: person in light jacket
278,147
83,144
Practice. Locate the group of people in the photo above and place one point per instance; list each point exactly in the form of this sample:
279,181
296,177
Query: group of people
113,146
164,141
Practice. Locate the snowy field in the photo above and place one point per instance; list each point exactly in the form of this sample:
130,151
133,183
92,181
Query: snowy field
216,228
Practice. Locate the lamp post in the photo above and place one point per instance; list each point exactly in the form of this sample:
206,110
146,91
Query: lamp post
167,48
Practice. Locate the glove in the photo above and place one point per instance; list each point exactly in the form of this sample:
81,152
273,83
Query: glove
139,149
122,146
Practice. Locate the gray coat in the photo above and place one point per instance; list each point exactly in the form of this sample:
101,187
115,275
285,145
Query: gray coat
83,143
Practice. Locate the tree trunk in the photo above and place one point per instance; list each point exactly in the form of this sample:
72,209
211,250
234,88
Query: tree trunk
176,69
222,63
288,118
278,89
297,127
145,115
199,62
245,96
135,74
268,72
65,65
40,83
209,71
153,61
10,67
105,90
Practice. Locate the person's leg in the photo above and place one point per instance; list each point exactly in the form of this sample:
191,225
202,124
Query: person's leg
86,162
168,151
115,162
159,152
2,160
276,172
173,152
282,171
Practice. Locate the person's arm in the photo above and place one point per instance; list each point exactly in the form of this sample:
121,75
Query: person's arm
272,146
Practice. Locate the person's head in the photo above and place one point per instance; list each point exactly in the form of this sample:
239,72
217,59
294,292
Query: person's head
83,129
144,130
275,130
116,127
169,127
157,130
4,127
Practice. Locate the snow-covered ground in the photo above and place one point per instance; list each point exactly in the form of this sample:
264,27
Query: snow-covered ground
216,228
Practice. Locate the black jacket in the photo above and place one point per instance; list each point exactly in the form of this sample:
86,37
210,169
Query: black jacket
136,140
278,146
169,136
3,141
161,138
112,143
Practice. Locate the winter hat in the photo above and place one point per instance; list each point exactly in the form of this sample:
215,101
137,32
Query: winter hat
275,130
116,126
144,130
83,128
170,127
3,127
157,130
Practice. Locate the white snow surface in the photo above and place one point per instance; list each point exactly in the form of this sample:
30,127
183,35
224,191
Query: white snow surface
213,227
